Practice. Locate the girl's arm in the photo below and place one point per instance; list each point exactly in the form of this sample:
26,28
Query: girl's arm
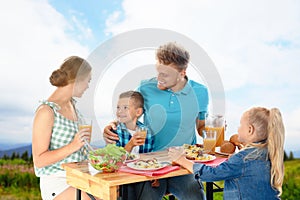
229,169
185,163
232,168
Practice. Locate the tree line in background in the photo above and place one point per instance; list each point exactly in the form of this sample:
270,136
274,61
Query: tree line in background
15,155
290,157
17,178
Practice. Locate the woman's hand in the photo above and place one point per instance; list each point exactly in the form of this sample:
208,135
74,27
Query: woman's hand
79,138
109,136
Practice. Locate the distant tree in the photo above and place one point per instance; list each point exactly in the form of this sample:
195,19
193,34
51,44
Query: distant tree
285,157
13,156
291,157
17,155
5,157
31,159
24,156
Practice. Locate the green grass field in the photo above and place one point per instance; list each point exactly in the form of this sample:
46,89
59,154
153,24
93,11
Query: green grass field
18,182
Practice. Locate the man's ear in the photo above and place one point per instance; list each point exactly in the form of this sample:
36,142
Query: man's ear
183,72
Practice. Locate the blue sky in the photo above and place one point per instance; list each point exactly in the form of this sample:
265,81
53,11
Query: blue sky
254,44
88,15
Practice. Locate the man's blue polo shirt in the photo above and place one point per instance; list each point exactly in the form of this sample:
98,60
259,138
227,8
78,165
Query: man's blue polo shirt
171,116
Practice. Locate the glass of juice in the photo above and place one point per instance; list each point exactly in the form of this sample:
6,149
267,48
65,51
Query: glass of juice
141,132
85,123
209,141
216,123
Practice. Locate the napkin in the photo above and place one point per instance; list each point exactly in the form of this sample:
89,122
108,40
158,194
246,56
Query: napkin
92,170
216,162
159,172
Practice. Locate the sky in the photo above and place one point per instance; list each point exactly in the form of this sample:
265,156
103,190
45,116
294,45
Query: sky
254,44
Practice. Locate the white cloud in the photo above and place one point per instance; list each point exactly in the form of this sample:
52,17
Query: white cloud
234,30
81,26
34,43
254,44
292,129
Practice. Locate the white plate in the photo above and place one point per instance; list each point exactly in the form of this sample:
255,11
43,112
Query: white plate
203,161
218,151
133,166
137,156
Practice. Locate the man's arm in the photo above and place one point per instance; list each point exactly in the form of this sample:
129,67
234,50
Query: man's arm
108,135
200,126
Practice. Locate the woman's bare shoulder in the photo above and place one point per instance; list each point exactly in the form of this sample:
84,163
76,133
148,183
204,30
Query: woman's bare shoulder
44,110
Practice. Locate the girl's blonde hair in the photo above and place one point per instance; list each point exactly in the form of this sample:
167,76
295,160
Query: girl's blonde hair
269,127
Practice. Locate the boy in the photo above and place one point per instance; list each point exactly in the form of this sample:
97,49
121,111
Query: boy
129,109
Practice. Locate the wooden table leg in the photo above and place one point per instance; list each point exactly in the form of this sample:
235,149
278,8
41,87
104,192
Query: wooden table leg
209,191
78,194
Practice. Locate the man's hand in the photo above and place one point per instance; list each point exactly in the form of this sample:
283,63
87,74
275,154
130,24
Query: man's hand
109,136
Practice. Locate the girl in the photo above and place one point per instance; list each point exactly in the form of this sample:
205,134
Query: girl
257,171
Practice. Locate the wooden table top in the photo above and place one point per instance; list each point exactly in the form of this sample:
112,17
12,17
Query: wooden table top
105,185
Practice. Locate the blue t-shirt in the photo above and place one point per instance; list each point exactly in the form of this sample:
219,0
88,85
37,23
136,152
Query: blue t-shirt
171,116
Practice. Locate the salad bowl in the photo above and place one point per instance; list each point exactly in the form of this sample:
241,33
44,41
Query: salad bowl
108,159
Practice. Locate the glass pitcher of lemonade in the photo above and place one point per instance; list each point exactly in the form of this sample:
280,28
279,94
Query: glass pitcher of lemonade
216,123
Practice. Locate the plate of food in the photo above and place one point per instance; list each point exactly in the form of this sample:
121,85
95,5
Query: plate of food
193,151
218,151
204,158
146,165
196,153
226,148
131,157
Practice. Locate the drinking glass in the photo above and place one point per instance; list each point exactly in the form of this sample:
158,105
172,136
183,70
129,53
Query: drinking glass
209,141
216,123
141,132
84,123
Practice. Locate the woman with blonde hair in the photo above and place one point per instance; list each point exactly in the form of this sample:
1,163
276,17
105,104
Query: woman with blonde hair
255,172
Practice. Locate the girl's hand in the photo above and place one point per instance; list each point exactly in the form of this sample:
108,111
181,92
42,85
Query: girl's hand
175,153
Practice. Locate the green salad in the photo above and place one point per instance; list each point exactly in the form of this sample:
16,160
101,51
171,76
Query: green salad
108,159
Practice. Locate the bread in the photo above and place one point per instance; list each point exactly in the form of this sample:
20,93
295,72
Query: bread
234,139
227,147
